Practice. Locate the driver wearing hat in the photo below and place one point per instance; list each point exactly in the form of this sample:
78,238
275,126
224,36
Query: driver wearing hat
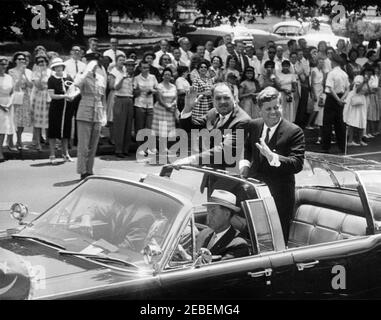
221,238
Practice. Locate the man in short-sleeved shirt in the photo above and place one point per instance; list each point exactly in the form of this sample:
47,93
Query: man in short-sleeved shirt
337,88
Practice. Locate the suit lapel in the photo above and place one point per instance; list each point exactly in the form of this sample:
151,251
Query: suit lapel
276,136
221,244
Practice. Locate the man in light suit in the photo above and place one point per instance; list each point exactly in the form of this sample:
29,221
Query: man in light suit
274,153
224,116
220,237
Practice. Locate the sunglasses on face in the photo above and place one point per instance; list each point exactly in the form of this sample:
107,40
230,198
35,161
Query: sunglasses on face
3,64
40,61
203,67
20,59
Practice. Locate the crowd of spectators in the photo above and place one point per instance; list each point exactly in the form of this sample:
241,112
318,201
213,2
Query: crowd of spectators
151,91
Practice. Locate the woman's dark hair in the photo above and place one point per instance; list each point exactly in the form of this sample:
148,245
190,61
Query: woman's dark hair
353,50
372,44
370,53
219,59
229,58
269,63
286,63
367,69
162,57
181,70
16,55
149,53
320,43
41,56
249,68
169,70
314,63
203,61
130,52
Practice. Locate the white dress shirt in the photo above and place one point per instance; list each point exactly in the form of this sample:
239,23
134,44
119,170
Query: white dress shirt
337,80
112,54
275,161
186,57
216,237
73,67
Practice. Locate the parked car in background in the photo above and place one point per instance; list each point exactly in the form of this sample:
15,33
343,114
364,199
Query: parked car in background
75,245
294,29
239,32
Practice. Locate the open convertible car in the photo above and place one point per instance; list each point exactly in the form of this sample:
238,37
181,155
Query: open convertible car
125,235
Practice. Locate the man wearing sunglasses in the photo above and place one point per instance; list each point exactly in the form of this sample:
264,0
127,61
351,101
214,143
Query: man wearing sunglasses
274,153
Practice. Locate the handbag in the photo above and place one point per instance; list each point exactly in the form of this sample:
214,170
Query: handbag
321,101
357,101
18,97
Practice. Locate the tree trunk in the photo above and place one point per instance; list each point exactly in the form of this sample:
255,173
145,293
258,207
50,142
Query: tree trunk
80,21
101,16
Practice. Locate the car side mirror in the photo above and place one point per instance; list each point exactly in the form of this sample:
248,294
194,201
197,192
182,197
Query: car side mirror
151,250
18,212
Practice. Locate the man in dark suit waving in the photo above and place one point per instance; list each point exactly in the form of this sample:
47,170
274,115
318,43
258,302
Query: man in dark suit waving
229,121
221,238
274,153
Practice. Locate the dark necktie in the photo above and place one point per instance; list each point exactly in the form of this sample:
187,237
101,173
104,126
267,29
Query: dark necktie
267,138
76,67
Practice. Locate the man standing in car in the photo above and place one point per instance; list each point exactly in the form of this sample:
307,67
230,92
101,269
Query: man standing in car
274,153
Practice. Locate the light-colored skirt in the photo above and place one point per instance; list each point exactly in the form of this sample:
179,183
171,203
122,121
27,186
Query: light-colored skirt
355,116
250,107
23,112
289,109
110,106
40,108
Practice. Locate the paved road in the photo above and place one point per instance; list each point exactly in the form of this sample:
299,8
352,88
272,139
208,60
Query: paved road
39,185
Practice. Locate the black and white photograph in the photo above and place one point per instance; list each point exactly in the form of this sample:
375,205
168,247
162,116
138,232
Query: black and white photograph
165,151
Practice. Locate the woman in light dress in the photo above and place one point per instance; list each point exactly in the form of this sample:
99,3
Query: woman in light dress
248,91
22,78
164,111
355,111
6,108
317,93
286,83
373,113
40,98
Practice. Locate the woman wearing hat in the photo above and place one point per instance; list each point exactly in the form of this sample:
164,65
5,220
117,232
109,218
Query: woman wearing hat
40,97
22,78
60,110
149,57
6,109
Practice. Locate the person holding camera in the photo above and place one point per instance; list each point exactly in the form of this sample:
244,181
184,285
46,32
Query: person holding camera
286,84
122,81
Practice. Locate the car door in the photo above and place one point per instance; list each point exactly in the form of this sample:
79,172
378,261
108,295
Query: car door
267,232
242,278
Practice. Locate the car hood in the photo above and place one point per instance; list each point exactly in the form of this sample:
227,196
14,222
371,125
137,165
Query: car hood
48,275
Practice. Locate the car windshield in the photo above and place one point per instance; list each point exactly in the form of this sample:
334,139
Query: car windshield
289,30
108,217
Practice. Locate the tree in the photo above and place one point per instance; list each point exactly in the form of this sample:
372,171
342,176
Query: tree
16,19
296,8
